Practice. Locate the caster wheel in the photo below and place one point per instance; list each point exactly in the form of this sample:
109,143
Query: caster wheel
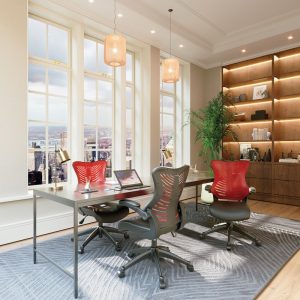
118,247
81,250
130,254
228,247
202,236
257,243
121,272
190,268
162,283
126,236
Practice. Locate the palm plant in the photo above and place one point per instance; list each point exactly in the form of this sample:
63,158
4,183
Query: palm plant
212,125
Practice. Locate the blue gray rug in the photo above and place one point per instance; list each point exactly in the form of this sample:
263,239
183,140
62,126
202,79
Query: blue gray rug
219,274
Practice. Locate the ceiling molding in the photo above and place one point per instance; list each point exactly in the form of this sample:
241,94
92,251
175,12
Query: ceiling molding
201,17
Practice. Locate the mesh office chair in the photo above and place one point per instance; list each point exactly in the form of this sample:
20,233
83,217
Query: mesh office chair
230,192
103,213
161,215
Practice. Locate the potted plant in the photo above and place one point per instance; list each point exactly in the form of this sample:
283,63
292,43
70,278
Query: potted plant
212,124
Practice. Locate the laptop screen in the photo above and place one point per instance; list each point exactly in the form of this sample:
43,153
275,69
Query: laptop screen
128,178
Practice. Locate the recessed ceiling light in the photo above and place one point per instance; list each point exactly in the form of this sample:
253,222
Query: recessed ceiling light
120,15
91,1
290,37
181,46
243,50
152,31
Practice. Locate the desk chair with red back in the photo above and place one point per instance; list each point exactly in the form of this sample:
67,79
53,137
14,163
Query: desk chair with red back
103,213
230,192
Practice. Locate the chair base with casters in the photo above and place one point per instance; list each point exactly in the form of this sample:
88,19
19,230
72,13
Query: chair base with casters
226,211
154,252
104,231
104,213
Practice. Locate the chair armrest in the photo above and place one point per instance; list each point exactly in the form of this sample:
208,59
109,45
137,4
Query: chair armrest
208,188
135,206
252,190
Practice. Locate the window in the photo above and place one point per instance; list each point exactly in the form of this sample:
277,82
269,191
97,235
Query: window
48,98
99,102
98,105
129,109
167,123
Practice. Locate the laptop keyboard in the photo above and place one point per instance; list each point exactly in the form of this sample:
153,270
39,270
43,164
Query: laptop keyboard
136,187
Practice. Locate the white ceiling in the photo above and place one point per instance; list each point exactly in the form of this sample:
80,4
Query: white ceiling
213,32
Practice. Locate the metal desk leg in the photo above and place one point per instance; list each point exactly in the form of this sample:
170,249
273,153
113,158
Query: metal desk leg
34,228
75,235
196,197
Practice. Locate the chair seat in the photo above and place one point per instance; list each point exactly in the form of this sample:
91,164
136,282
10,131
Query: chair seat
138,226
230,210
108,212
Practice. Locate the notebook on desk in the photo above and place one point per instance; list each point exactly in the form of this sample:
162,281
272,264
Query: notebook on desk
129,179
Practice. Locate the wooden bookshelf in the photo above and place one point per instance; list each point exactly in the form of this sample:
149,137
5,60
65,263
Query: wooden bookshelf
280,73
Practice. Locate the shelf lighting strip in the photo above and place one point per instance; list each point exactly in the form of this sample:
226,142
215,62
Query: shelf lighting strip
288,99
248,84
250,122
237,142
288,56
288,120
246,104
247,66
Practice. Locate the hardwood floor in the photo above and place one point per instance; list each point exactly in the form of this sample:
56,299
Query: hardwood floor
284,286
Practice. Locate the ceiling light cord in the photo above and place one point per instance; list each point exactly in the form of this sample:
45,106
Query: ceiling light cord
170,11
115,15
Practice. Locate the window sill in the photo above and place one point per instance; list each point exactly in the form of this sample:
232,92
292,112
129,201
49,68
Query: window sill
29,195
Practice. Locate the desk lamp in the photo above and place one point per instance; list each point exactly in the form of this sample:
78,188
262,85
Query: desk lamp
61,156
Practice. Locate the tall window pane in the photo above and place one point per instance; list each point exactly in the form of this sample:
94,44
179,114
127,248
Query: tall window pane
167,123
48,94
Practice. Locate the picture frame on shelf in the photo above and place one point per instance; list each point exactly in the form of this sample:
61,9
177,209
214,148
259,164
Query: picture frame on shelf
260,92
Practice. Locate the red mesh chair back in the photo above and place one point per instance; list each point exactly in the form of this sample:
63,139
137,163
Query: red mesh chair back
94,171
168,186
230,179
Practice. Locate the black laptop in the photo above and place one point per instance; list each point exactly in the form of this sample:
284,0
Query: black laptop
129,179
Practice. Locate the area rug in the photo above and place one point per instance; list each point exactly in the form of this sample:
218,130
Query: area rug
219,274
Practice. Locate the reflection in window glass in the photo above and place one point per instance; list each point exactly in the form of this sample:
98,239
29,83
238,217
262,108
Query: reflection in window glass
90,51
36,78
57,51
37,38
36,107
58,83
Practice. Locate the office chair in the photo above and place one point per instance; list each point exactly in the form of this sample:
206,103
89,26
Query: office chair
161,215
103,213
230,192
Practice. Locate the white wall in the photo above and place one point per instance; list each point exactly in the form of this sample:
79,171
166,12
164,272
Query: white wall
13,98
204,85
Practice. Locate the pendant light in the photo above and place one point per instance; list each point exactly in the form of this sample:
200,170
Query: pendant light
170,66
115,47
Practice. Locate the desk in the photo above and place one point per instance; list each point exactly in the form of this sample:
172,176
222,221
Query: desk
72,197
196,182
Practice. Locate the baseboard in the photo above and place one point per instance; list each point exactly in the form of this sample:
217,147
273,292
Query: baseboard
23,230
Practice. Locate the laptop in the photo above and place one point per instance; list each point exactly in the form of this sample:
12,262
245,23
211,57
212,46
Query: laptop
129,179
